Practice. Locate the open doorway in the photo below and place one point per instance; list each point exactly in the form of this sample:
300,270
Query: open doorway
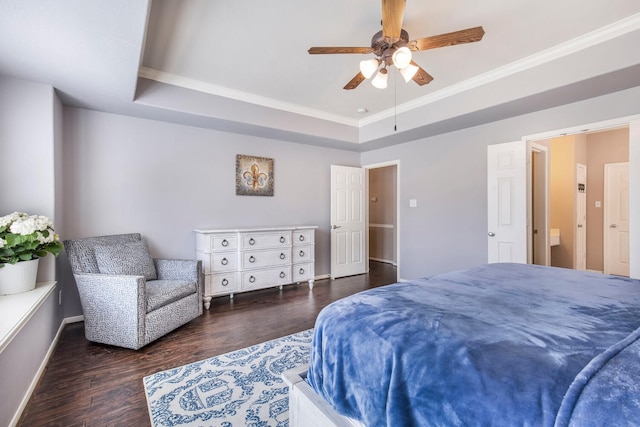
383,213
540,234
509,189
577,202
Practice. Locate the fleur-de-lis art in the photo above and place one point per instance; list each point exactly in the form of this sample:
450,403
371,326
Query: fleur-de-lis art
255,178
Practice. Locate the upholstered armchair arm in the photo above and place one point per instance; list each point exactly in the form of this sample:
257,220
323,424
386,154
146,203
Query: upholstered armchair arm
121,299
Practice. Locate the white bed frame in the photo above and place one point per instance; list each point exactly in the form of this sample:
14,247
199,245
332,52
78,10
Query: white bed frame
306,408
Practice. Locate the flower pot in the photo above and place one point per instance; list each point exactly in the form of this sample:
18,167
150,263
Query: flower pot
18,277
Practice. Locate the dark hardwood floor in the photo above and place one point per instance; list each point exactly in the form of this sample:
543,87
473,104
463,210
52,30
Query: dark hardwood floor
88,384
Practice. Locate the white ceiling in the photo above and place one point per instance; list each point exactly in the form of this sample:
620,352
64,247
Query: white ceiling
243,66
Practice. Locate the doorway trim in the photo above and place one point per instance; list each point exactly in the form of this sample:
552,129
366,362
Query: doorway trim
533,147
395,163
580,203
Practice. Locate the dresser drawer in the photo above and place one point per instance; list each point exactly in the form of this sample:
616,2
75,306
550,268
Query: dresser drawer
225,283
265,240
223,242
303,237
219,262
268,258
302,272
302,253
257,279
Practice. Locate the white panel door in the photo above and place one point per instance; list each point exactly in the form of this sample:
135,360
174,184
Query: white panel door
581,217
616,218
506,202
349,224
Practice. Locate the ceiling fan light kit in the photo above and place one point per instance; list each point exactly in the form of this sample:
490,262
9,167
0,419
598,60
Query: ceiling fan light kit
401,57
408,72
391,46
368,67
380,80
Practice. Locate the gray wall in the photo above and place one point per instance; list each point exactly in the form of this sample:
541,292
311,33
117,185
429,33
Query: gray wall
124,174
27,182
448,177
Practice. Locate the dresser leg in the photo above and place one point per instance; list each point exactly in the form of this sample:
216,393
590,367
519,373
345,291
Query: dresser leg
281,287
311,283
207,302
230,296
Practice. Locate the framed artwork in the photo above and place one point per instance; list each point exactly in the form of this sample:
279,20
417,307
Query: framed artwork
254,176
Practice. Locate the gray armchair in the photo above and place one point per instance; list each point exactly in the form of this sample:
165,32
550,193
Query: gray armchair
128,298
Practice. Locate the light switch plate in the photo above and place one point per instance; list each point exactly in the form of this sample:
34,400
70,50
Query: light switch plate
598,204
413,203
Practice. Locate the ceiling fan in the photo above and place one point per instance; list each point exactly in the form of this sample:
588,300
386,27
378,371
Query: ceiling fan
391,46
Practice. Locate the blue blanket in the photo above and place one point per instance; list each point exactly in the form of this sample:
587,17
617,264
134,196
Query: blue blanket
501,344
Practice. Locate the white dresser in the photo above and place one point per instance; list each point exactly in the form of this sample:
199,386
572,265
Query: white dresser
240,260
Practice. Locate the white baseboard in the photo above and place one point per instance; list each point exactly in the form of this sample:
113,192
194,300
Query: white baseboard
42,368
74,319
386,261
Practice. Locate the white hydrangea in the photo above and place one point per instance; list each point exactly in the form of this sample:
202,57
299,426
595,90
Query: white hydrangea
24,227
30,224
31,229
8,219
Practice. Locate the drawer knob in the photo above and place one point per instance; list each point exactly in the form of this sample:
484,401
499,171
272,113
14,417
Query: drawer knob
225,242
252,279
282,239
225,282
301,238
282,256
224,261
282,275
301,253
252,259
301,271
251,241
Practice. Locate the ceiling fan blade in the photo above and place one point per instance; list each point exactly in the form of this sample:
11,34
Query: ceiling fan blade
354,82
449,39
421,77
392,14
330,50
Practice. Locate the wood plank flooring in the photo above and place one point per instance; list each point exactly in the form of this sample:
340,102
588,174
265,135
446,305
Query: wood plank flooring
88,384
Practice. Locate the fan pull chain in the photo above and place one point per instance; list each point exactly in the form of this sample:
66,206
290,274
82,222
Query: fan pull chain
395,100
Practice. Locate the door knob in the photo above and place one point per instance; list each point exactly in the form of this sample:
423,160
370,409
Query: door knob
491,234
333,227
579,225
614,226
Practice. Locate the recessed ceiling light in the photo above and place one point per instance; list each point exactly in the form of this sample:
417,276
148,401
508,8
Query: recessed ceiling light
362,110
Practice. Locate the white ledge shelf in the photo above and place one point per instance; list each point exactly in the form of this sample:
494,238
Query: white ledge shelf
17,309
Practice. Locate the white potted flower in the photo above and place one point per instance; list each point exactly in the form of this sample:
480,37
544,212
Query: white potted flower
23,240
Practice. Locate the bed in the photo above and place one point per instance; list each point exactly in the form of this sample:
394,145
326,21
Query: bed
498,344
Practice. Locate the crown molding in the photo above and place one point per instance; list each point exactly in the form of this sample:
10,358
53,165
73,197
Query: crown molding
603,34
225,92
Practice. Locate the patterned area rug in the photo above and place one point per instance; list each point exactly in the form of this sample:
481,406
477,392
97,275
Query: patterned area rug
241,388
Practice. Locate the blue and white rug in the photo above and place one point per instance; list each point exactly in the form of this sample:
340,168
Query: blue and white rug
237,389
